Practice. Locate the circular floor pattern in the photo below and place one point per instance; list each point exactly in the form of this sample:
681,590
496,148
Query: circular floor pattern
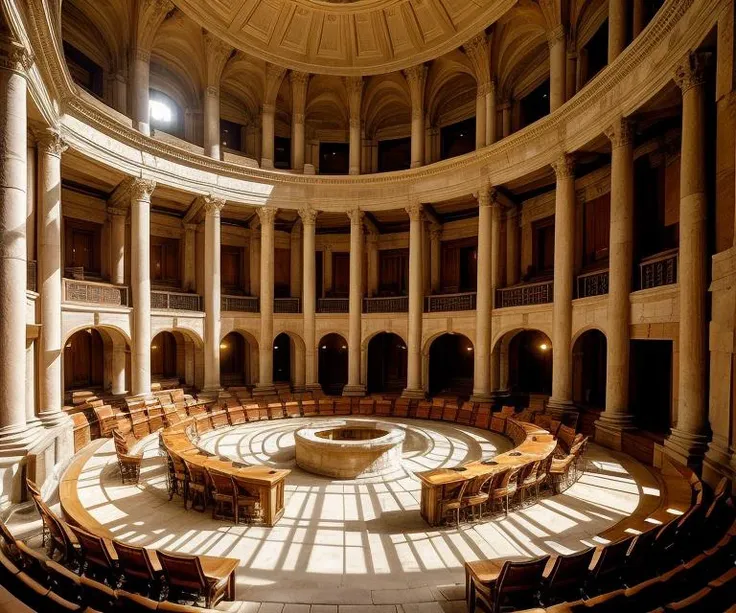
363,541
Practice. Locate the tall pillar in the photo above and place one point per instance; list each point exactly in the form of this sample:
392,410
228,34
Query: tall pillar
309,296
140,96
484,297
571,72
480,116
414,345
426,268
557,41
354,86
687,440
617,417
435,254
327,269
189,281
140,280
416,77
506,119
295,260
373,264
268,135
13,184
118,368
638,18
513,262
117,244
299,83
618,16
50,148
216,53
563,284
212,289
254,257
491,113
354,387
265,359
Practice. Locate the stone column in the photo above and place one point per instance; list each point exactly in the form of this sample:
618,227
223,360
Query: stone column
117,244
254,257
491,113
299,83
687,440
373,264
426,268
140,280
563,284
618,15
506,119
295,261
354,87
416,77
50,148
557,41
571,72
212,289
327,266
309,296
616,417
267,131
484,297
190,256
30,392
118,368
211,122
265,359
414,345
141,68
639,16
435,255
480,116
354,388
513,263
14,63
119,86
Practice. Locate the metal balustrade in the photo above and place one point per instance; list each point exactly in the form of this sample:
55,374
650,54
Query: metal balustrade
450,302
593,284
658,270
333,305
242,304
175,301
287,305
525,295
386,304
91,292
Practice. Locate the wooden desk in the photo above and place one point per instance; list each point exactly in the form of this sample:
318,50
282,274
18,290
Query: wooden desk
535,444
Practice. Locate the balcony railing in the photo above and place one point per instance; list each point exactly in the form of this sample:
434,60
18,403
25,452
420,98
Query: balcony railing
450,302
333,305
386,304
658,270
31,275
524,295
176,301
243,304
593,284
287,305
90,292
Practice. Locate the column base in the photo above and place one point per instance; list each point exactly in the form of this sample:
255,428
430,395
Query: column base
210,393
51,419
353,390
687,448
18,440
718,463
414,394
481,397
298,389
313,387
609,430
557,408
264,390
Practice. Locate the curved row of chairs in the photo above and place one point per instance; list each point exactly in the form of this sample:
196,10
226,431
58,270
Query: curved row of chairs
687,562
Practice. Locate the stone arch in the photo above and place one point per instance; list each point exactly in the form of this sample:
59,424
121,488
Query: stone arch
109,357
459,371
332,359
297,358
244,363
525,360
393,375
589,361
189,354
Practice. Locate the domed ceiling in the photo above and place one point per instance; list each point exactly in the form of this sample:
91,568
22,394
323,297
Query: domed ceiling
345,37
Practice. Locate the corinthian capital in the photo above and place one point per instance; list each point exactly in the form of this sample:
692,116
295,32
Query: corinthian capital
691,70
356,217
564,166
216,53
141,189
213,204
267,215
416,77
14,56
620,133
487,196
415,211
50,142
308,215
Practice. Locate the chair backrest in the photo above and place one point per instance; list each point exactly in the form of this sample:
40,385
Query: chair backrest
32,561
613,557
221,483
97,595
528,471
64,581
8,540
570,570
134,561
33,488
134,602
93,548
477,485
183,571
518,577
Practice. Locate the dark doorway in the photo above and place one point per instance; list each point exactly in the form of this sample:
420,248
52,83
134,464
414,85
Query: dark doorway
457,139
333,364
394,154
83,360
282,358
451,365
233,360
334,158
650,384
282,152
386,364
589,369
163,356
530,363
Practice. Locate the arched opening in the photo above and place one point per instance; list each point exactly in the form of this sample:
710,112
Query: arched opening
236,362
282,352
589,369
530,363
84,360
333,363
451,365
164,354
386,364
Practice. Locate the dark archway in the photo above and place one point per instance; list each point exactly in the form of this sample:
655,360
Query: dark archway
530,363
451,358
589,369
333,364
282,358
84,359
233,360
387,361
164,356
650,385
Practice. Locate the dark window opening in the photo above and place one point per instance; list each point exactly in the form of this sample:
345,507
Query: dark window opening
282,153
85,72
543,248
459,266
282,358
334,158
535,105
596,231
387,360
333,364
230,135
596,51
457,139
394,154
650,384
165,262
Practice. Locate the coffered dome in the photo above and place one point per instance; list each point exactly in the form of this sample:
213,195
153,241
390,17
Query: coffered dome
345,37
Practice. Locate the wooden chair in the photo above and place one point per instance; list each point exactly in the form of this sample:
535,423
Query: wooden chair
506,489
177,476
477,494
197,487
342,406
61,539
32,562
246,500
140,569
186,578
98,557
31,592
543,474
129,464
7,542
437,409
566,579
275,410
452,500
528,480
423,409
222,495
517,582
608,568
203,424
97,596
291,408
236,415
64,582
135,603
219,419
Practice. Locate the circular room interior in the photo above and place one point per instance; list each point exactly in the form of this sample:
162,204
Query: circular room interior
368,306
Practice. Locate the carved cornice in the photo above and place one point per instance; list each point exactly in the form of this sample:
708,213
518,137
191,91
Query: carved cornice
50,142
564,166
308,215
620,133
267,215
691,70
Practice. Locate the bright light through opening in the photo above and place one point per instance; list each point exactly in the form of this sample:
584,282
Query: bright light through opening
160,111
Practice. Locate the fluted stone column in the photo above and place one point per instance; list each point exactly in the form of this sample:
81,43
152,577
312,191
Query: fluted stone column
557,41
189,281
265,359
414,345
117,244
563,284
687,440
373,264
354,87
212,290
299,83
254,260
51,401
140,280
618,15
141,70
416,77
617,417
435,255
513,263
484,297
354,387
309,296
13,184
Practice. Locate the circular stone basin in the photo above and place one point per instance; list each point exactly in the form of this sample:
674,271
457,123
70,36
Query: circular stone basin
347,449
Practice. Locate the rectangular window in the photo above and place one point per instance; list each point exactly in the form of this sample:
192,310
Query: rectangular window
394,154
165,262
82,247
